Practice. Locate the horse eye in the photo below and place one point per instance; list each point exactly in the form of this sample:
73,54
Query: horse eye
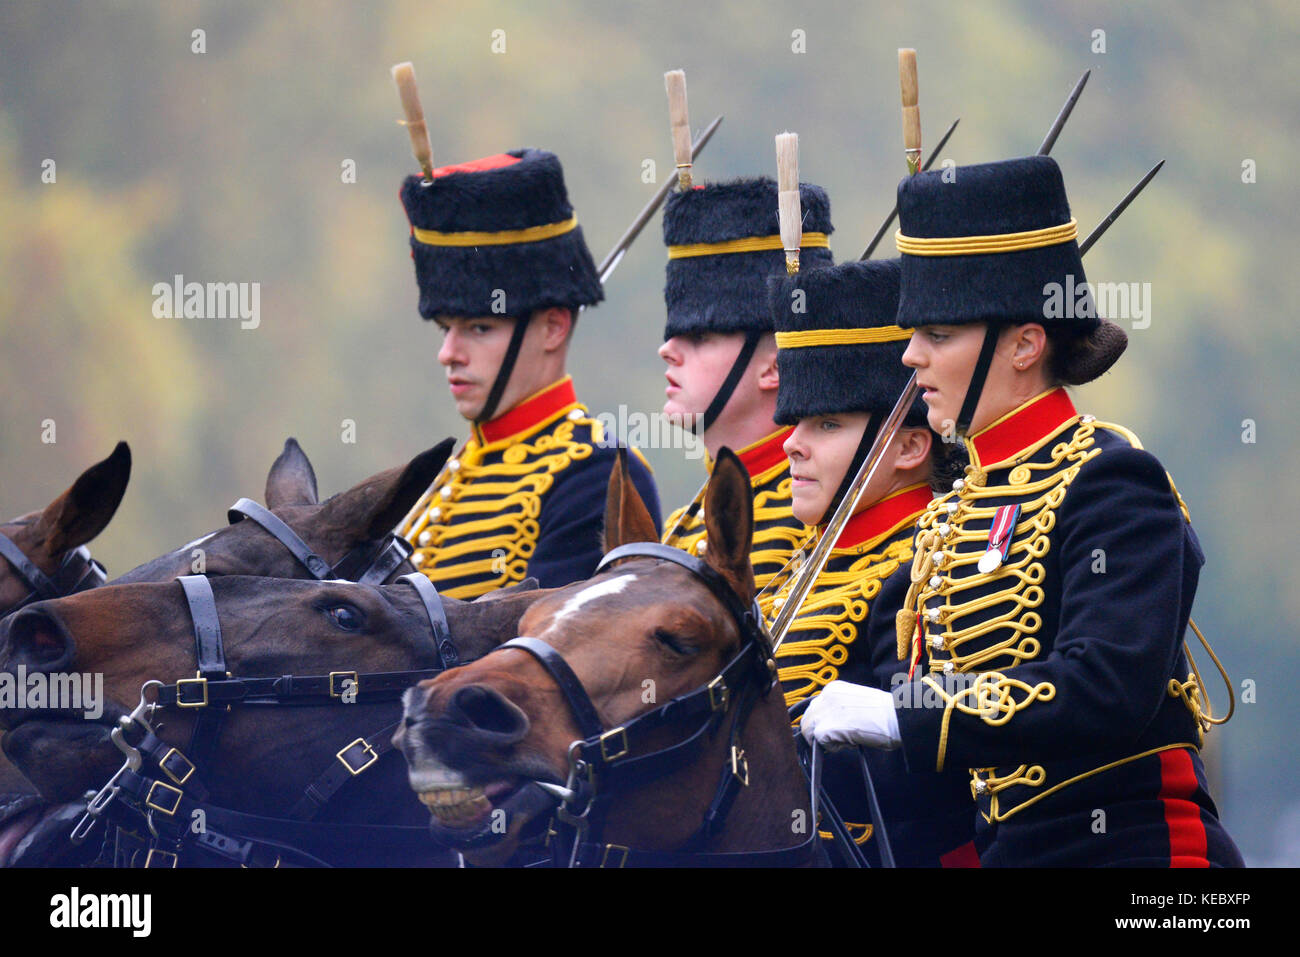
345,616
671,642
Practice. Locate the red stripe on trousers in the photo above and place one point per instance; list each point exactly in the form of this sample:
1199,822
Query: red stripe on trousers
1182,817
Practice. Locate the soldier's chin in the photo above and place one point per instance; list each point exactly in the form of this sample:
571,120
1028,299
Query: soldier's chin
679,415
62,759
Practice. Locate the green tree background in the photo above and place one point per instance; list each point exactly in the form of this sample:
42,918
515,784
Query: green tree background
226,165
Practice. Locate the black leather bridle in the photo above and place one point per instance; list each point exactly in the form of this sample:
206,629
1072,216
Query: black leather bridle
77,572
605,762
152,802
367,563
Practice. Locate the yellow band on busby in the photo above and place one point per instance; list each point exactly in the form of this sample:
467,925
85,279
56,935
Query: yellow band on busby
505,237
982,245
749,244
841,337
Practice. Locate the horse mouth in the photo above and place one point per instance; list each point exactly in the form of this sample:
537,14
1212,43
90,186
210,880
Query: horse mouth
464,816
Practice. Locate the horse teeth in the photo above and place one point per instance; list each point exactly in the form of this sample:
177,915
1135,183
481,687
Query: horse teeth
455,805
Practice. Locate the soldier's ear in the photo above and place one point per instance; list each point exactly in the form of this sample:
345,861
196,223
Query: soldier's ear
83,511
729,522
292,480
626,517
769,377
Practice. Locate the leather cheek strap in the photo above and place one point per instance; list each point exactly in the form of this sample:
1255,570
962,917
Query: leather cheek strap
584,712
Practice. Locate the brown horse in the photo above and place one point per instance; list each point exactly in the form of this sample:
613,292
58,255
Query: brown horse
267,755
644,632
355,519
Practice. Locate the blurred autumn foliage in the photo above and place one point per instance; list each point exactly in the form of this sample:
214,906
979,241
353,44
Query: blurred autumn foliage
227,166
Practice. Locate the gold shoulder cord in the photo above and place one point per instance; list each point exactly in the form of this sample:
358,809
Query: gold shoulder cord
485,518
991,696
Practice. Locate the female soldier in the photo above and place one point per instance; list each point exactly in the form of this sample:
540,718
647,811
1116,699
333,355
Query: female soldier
1042,631
839,357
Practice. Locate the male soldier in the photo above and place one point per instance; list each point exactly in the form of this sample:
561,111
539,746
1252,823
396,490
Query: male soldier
723,242
503,270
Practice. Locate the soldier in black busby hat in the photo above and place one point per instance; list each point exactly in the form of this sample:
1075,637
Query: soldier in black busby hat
1041,638
503,271
723,242
839,354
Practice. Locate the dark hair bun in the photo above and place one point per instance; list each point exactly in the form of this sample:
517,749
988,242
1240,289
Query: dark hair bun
1080,359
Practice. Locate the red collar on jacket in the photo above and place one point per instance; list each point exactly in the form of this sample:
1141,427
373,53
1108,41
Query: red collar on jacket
763,455
1022,427
538,407
903,507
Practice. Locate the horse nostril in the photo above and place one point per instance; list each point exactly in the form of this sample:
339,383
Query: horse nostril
484,709
37,640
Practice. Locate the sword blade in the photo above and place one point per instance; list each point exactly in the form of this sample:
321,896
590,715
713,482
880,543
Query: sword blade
615,255
1104,225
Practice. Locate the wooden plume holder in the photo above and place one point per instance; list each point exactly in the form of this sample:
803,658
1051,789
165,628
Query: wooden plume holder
679,121
911,112
787,197
404,77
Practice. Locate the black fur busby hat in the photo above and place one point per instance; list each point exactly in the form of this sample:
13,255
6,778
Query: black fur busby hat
995,242
838,347
724,240
497,236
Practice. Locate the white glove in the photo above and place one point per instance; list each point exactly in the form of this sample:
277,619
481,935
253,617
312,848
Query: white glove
846,715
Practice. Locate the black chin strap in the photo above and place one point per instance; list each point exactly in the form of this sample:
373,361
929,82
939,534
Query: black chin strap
977,377
864,447
503,374
733,378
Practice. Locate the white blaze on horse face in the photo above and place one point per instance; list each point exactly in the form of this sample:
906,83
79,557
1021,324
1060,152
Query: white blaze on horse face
611,587
197,541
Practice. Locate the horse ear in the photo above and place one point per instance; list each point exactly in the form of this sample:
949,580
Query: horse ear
389,505
291,480
729,522
626,517
528,584
82,512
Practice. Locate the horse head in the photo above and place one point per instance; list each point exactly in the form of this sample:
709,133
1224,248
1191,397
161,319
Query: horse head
642,633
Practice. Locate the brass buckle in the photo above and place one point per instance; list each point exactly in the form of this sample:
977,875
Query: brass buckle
365,749
189,765
176,800
202,683
154,852
356,682
604,749
622,855
719,694
739,765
